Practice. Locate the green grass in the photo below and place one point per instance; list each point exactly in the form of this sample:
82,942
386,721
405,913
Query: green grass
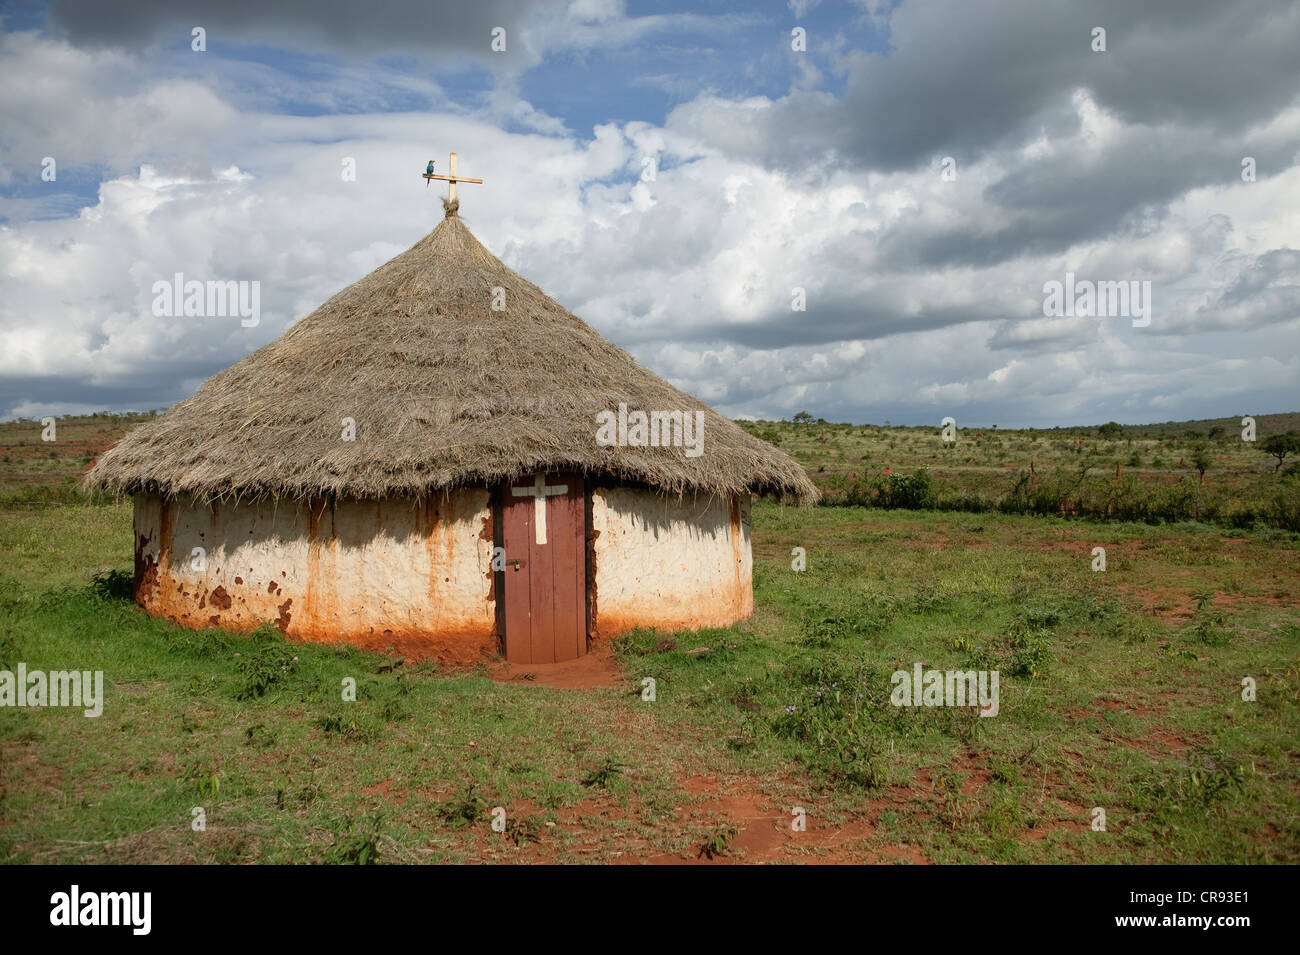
1119,690
285,770
1126,711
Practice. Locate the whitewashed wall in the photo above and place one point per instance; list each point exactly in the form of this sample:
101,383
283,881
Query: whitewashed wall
416,577
393,574
670,562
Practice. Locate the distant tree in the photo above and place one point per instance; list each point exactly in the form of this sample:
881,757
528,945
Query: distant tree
1216,432
802,417
1201,460
1280,445
1110,430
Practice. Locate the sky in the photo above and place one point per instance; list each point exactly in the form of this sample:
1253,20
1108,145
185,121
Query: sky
853,209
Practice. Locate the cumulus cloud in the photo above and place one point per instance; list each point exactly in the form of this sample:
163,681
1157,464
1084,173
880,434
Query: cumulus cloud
687,240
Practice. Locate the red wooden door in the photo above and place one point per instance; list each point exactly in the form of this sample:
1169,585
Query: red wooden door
543,532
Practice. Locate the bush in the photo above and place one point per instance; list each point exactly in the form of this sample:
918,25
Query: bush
1284,508
1030,649
909,493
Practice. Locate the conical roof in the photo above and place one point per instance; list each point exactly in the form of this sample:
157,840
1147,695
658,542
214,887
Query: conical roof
444,390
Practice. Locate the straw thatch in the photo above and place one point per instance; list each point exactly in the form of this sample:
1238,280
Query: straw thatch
445,392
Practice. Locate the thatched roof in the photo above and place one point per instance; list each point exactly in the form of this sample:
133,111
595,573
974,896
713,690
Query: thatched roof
445,392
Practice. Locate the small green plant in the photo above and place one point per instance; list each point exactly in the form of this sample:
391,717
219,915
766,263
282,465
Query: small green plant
1216,782
525,830
604,774
356,842
463,810
717,843
266,662
832,716
821,630
259,735
1031,650
952,806
112,585
203,780
1209,628
334,723
1007,773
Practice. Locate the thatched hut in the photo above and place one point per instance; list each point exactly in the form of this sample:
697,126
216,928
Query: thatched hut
440,459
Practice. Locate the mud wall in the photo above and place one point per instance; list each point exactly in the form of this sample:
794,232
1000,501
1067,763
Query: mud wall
669,562
401,575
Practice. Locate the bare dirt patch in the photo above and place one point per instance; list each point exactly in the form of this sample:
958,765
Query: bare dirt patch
597,668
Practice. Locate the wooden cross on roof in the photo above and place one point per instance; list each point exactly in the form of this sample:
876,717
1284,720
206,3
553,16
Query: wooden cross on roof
451,178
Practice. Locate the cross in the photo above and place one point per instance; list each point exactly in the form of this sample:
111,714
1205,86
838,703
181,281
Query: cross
451,178
539,492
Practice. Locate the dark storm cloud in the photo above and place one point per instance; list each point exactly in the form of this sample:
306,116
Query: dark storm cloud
1047,205
342,26
1190,84
825,322
153,385
965,77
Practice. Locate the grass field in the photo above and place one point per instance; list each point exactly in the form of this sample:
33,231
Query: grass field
1121,690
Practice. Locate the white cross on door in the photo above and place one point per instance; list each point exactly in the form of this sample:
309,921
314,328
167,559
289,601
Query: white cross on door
539,492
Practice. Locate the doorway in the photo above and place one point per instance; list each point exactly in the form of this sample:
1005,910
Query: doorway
543,533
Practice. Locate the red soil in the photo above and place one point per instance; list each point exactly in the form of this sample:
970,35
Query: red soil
597,668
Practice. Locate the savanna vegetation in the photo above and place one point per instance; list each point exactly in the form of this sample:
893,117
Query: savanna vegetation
1195,470
1121,689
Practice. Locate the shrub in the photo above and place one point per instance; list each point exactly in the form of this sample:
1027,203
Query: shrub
908,492
1030,649
1284,508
